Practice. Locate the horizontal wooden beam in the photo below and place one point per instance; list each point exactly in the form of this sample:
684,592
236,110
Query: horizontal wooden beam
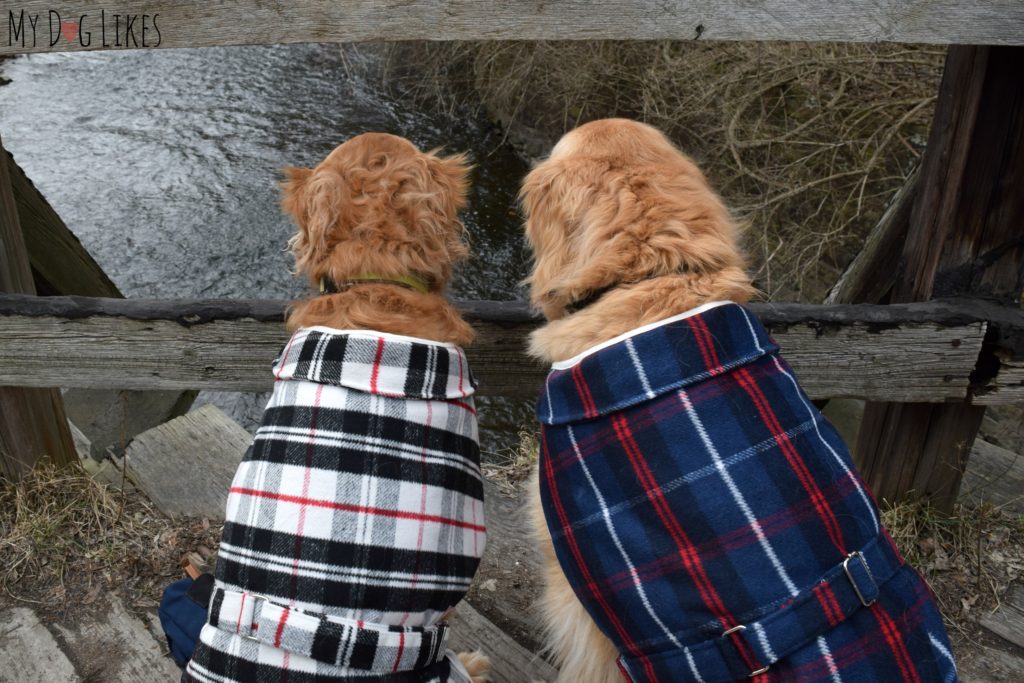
43,26
909,352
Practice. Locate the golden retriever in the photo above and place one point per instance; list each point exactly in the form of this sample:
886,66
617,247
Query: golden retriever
615,210
709,517
378,205
343,447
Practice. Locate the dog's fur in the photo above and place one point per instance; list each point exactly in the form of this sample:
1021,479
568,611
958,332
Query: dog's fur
616,206
377,204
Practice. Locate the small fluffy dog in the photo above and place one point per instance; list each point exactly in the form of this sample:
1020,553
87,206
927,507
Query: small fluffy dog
700,519
355,521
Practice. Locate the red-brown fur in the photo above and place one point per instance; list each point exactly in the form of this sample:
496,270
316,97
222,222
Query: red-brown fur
378,205
616,205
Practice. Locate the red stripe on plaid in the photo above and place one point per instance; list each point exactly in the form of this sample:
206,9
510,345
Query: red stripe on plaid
464,406
589,408
375,373
241,610
829,606
301,524
705,343
735,539
280,627
401,648
895,640
358,509
797,463
584,569
461,390
687,551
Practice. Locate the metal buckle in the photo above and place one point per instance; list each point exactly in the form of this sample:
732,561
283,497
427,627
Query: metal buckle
737,629
252,621
853,582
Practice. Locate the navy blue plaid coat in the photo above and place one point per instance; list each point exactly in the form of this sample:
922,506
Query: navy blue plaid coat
711,521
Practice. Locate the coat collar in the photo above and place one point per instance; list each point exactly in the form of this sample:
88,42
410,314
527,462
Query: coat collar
652,361
376,362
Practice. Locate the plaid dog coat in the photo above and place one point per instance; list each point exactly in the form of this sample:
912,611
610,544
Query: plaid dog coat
355,520
711,521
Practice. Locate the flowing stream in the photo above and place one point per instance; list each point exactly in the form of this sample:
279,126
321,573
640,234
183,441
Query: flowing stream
165,164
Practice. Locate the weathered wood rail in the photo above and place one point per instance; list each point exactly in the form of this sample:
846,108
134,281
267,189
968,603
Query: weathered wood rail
95,25
913,352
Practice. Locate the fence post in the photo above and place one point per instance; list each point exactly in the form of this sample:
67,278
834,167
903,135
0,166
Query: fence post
964,238
32,421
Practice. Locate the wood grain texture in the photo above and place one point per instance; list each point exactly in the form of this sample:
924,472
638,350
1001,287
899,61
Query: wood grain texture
995,475
60,264
205,440
964,240
918,352
196,23
33,425
1008,620
510,662
872,273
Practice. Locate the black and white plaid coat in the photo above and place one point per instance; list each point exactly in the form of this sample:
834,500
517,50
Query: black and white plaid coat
355,521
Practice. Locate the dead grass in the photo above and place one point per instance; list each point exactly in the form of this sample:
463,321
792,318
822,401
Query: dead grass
510,469
969,558
66,538
806,141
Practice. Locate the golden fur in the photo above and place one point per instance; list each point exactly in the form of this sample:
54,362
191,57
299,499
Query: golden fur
616,205
377,205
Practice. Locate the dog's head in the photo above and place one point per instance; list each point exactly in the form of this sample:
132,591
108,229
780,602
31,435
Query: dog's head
616,202
378,205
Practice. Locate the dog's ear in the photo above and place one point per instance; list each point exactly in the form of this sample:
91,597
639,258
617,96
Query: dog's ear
552,198
448,186
314,199
452,174
293,190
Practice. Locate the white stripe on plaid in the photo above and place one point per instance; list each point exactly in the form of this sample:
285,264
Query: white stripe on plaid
358,513
637,583
737,496
846,470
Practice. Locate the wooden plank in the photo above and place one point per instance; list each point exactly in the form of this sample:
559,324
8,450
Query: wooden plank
964,240
33,425
872,273
920,352
510,662
60,264
1008,620
995,475
94,25
204,441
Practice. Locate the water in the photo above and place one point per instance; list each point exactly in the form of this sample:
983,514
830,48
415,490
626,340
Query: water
165,164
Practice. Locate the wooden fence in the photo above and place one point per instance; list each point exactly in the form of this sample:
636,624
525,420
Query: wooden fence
928,368
94,25
927,352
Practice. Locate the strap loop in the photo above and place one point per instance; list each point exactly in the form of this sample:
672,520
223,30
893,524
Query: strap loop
348,643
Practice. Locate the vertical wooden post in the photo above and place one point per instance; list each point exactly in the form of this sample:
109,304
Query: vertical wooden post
965,237
32,421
